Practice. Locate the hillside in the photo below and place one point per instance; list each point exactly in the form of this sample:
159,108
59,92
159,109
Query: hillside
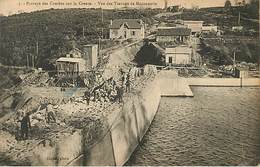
56,31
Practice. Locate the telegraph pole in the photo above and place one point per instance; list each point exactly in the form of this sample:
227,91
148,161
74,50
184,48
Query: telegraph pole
83,31
239,17
99,48
27,61
37,52
102,17
234,59
32,60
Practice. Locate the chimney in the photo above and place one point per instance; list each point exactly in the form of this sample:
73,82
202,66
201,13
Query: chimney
111,22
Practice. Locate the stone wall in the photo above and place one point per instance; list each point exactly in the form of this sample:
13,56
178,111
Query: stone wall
224,82
128,126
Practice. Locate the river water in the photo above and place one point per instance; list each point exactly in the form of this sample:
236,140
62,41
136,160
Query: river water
218,126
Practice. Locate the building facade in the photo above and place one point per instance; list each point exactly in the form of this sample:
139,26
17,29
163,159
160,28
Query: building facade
77,61
209,28
195,26
127,29
180,55
70,67
177,34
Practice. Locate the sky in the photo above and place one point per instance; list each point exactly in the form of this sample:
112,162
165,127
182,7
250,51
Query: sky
9,7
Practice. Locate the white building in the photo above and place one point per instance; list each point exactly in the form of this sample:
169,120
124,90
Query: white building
127,29
210,28
195,26
77,61
237,28
180,55
70,67
176,34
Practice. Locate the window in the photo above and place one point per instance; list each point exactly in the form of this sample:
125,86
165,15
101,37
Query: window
170,60
133,33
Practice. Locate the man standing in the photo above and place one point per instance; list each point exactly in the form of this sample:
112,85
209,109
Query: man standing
119,92
87,95
127,83
50,114
25,125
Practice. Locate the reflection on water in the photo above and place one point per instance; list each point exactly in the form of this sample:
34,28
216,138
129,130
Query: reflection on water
219,126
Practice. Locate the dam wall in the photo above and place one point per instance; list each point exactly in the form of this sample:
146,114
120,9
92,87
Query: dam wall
127,127
127,124
224,82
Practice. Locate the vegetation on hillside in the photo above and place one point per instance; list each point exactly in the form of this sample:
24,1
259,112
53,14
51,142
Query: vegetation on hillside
221,53
56,31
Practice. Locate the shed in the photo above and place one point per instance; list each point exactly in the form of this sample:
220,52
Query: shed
195,26
70,67
180,34
241,72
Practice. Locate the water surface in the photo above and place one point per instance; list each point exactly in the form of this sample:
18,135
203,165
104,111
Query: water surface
219,126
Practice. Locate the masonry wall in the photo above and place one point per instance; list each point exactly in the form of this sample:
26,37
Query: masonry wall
223,82
128,127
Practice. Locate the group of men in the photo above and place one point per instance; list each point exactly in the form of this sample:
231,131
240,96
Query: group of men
23,118
110,89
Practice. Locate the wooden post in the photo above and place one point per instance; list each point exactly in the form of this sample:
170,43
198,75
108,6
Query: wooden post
83,32
32,60
27,61
241,84
37,52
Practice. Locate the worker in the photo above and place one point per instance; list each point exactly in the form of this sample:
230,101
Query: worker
123,79
25,125
87,95
119,92
127,83
50,114
113,83
19,117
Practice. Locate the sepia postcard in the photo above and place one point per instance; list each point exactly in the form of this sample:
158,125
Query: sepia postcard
129,83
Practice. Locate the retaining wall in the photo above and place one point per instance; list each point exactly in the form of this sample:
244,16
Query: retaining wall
128,127
223,82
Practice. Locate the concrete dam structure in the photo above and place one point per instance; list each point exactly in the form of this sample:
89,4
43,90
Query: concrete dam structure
127,125
128,122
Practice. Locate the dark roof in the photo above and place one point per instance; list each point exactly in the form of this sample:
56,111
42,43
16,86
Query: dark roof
179,31
131,23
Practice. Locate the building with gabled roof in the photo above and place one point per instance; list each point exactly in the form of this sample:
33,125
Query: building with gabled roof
176,34
195,26
70,67
126,29
77,61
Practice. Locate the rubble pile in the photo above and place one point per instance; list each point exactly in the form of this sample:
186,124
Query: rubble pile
7,141
35,78
55,112
192,73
